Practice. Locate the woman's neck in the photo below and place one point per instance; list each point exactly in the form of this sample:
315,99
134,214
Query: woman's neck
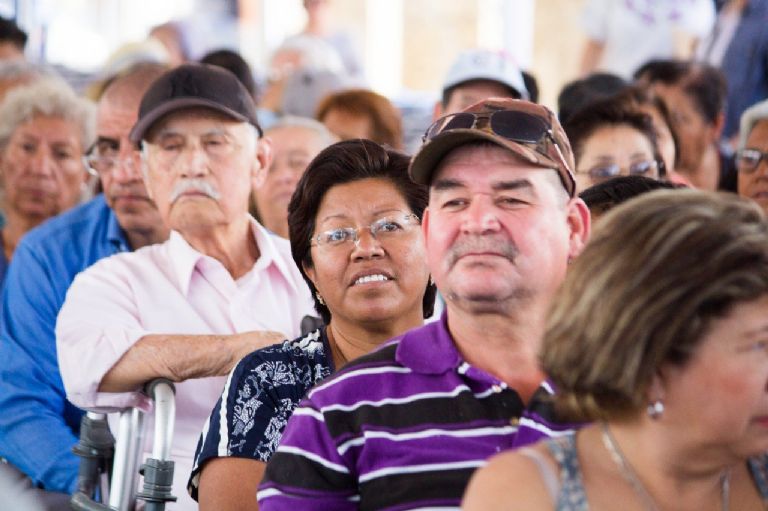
15,227
674,472
350,339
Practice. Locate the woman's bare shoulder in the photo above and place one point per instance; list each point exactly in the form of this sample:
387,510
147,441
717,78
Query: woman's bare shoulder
511,481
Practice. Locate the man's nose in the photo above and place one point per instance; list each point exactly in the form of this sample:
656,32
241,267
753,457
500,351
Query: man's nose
480,216
194,161
126,168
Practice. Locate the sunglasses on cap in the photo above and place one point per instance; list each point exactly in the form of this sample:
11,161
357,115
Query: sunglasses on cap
515,126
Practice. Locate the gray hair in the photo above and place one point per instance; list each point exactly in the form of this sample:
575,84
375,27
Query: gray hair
16,70
294,121
50,97
751,116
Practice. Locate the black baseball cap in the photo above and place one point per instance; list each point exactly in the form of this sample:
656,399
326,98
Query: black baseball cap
194,85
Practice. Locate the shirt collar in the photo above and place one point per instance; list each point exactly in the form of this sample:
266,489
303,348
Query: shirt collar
429,349
115,234
185,258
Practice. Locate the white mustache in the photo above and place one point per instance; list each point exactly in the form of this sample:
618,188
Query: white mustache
196,186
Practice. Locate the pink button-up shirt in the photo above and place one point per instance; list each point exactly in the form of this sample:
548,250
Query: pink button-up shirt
171,288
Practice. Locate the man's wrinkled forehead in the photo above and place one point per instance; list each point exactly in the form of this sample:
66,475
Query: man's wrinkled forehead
472,163
208,122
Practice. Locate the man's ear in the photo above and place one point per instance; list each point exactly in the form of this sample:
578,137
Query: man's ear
437,110
261,162
717,127
580,224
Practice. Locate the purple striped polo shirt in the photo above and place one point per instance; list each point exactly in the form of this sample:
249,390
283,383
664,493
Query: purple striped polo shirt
401,428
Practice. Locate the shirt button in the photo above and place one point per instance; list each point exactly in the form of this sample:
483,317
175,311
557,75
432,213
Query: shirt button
496,389
514,421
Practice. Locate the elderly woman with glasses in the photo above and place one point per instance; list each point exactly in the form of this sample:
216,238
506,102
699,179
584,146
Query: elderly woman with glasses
44,132
610,139
355,236
751,158
659,336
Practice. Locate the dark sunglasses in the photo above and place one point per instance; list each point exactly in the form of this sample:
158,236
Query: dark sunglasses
510,124
515,126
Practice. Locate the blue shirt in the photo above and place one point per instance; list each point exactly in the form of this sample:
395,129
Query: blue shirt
38,426
260,395
3,262
745,64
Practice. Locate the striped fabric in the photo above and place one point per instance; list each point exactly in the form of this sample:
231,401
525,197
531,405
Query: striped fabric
401,428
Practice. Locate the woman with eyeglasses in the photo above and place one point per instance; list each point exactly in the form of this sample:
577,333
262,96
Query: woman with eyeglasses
659,337
610,139
354,226
752,156
44,132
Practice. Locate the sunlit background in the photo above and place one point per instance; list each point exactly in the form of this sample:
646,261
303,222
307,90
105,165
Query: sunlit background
405,46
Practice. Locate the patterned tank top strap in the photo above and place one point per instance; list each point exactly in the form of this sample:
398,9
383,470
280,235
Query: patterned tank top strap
572,495
758,468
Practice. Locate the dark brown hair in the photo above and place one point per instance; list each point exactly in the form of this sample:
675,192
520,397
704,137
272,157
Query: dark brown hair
386,123
611,111
345,162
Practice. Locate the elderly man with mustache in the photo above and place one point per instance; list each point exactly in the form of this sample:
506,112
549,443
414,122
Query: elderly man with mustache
187,309
405,426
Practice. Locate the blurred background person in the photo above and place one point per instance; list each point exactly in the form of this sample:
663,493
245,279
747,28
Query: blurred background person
295,142
38,425
362,113
606,195
369,287
695,97
300,72
45,130
235,63
752,156
13,40
320,24
641,325
609,140
623,35
173,37
581,92
479,74
738,46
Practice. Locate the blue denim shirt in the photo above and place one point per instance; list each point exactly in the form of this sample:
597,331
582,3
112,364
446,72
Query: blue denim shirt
38,426
745,64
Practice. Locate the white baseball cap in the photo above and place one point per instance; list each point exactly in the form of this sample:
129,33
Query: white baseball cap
495,66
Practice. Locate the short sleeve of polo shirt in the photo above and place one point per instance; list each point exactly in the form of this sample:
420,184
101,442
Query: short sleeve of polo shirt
260,395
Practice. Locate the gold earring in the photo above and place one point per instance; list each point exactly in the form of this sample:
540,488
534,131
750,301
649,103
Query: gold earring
319,298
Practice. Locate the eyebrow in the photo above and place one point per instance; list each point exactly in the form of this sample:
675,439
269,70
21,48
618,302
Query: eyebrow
499,186
762,330
447,184
168,132
346,217
515,184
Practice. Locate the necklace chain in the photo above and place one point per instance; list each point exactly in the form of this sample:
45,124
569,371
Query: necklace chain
631,476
